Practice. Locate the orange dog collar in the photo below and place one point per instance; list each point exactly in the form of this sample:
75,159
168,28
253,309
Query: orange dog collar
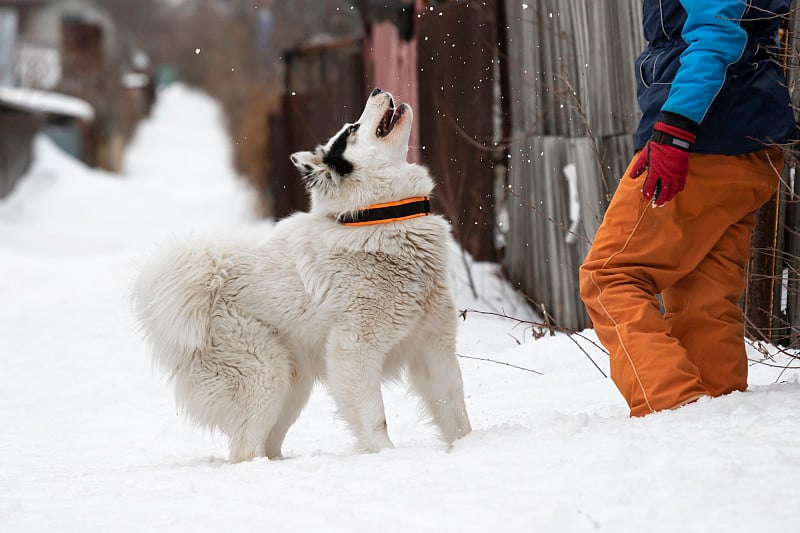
388,212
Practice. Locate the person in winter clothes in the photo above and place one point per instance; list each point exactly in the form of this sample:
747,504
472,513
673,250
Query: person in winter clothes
714,103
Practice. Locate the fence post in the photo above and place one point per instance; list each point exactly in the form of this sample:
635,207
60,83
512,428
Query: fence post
759,299
456,46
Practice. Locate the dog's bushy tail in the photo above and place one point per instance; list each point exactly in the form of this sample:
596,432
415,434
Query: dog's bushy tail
173,300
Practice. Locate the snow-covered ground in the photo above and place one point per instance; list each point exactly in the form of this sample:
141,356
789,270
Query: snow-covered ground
90,439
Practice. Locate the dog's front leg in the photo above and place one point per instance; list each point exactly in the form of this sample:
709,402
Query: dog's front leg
354,381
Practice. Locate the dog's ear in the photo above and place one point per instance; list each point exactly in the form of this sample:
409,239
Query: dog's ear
308,163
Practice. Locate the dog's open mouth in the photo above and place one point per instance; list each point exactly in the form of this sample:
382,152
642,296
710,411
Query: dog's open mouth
388,121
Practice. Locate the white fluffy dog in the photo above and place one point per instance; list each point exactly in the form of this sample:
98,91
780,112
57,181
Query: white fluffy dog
352,292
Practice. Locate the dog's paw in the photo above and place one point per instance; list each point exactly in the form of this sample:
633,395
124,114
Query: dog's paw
376,442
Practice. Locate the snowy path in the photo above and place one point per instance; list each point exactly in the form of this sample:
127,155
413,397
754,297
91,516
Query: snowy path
90,441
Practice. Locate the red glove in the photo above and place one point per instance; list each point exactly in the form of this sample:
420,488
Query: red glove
666,158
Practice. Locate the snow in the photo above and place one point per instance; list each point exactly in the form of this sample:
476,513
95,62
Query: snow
91,440
135,80
571,175
37,101
38,65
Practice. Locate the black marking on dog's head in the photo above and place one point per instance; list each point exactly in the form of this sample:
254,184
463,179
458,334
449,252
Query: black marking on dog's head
335,159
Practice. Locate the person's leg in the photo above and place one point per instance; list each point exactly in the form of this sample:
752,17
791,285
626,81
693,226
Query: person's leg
634,249
639,251
703,311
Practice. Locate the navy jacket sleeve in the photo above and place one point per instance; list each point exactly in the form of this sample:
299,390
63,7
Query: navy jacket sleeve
716,40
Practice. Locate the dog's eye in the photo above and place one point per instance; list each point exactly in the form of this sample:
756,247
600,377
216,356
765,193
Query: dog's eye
353,128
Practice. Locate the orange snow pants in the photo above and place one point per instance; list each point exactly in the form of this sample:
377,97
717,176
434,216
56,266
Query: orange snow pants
693,251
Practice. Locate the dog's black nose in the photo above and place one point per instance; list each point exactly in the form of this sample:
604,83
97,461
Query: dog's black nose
375,91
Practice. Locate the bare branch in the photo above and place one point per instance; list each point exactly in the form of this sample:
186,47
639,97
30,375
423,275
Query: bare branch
500,363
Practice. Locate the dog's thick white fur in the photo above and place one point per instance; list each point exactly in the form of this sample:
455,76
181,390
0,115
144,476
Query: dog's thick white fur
246,328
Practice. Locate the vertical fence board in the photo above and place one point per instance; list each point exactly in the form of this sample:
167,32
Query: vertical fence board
456,43
791,266
8,40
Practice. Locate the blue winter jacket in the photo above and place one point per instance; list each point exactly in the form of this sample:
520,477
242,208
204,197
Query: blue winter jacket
713,61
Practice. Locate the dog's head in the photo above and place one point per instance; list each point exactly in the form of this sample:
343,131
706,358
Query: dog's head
364,163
